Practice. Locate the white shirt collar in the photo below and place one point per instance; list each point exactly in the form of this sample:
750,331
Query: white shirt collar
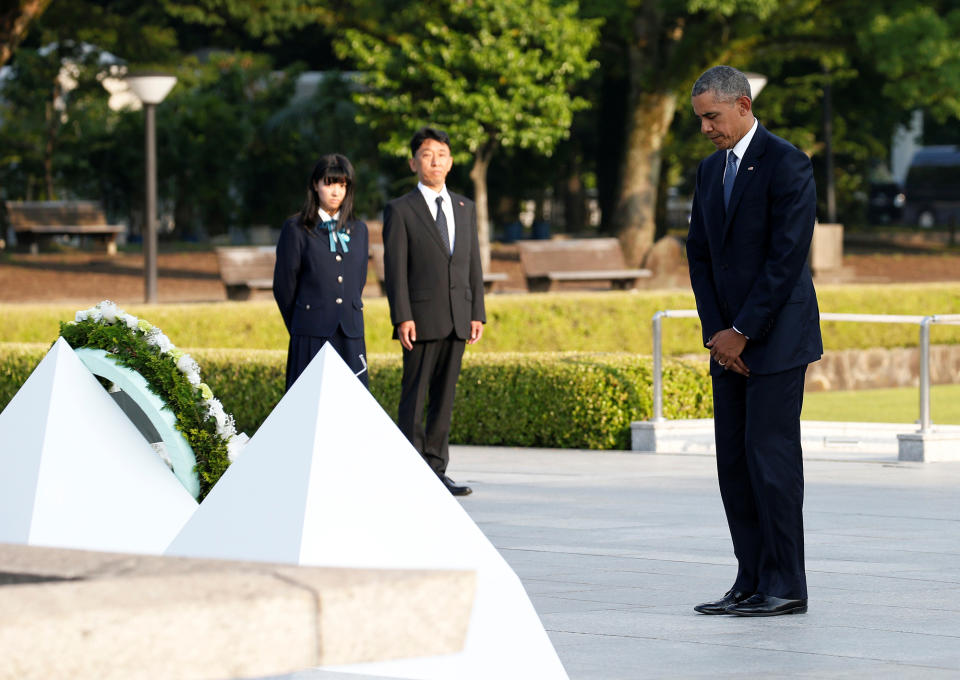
431,195
740,147
324,217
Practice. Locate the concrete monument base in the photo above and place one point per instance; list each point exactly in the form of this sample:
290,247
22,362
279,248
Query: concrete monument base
81,614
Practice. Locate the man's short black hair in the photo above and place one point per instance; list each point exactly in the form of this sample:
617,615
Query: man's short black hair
425,133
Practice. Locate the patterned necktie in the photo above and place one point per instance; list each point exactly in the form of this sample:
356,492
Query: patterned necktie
729,177
442,224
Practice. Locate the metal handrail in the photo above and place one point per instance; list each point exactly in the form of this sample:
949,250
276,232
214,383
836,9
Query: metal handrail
923,321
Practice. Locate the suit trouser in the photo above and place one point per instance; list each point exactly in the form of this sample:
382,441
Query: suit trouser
760,469
430,372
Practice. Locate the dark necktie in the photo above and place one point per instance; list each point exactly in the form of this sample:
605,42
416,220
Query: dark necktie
729,177
442,224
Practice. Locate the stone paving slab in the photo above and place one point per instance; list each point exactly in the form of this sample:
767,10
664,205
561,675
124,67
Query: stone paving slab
615,548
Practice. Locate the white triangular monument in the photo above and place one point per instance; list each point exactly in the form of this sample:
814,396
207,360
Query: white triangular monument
329,480
76,473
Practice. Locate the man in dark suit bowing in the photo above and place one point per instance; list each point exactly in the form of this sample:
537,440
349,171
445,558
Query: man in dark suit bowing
754,208
434,283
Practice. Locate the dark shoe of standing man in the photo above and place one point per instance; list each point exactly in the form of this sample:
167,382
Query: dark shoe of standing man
453,487
730,598
767,605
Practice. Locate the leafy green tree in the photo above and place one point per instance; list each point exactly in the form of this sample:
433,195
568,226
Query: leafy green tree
881,58
492,73
54,116
269,20
207,132
51,100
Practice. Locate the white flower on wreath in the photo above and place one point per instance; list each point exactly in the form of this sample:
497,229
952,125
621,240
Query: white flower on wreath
190,369
156,338
108,311
92,314
225,423
129,319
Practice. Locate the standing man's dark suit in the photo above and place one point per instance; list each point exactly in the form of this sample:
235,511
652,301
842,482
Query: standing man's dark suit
436,297
759,316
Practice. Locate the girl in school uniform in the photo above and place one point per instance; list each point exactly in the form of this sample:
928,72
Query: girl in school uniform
320,272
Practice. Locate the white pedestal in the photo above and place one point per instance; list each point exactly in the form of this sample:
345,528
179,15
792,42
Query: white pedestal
930,447
329,480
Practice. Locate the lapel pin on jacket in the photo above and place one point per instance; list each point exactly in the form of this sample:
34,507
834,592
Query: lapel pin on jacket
750,168
461,203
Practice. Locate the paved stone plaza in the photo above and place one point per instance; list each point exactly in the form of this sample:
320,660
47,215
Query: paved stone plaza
616,548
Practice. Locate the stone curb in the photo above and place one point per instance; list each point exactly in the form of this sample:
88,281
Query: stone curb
78,614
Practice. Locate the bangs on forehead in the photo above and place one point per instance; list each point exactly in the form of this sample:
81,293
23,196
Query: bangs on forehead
335,175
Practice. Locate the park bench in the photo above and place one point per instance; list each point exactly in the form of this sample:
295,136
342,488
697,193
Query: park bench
588,260
490,279
247,271
34,221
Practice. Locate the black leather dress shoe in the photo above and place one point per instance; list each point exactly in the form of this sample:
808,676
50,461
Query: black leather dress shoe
730,598
455,488
767,605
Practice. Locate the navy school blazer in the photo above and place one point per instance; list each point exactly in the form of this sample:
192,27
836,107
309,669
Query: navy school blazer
318,290
748,263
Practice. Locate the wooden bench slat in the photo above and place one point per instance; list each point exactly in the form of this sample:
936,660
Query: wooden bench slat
599,274
71,229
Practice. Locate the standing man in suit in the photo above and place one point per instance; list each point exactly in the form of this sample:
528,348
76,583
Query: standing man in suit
434,283
754,209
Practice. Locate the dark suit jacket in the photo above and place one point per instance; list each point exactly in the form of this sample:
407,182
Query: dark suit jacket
438,291
309,280
748,264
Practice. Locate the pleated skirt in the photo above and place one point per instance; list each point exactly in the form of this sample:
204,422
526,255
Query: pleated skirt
303,348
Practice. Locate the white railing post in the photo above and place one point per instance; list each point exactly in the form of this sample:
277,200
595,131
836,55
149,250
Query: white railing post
925,372
658,367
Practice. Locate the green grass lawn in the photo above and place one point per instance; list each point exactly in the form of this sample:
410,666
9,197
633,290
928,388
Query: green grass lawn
894,405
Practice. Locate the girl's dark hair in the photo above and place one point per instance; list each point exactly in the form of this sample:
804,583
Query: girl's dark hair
330,169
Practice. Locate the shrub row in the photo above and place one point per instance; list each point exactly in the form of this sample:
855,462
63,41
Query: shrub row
561,400
551,322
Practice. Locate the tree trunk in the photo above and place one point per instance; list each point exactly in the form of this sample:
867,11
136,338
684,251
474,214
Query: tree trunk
51,116
650,116
573,197
15,18
478,173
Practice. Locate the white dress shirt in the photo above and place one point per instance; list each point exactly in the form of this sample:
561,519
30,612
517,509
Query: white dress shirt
431,197
740,148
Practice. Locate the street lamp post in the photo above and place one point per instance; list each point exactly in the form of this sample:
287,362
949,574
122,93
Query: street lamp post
150,89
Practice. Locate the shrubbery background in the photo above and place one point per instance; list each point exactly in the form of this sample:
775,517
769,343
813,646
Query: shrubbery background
564,400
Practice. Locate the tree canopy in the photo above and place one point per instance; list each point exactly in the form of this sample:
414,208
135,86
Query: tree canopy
492,73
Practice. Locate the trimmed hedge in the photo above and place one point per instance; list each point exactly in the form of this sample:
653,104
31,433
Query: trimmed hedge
560,400
548,322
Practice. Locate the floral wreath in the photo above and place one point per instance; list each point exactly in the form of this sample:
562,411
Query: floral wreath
173,375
